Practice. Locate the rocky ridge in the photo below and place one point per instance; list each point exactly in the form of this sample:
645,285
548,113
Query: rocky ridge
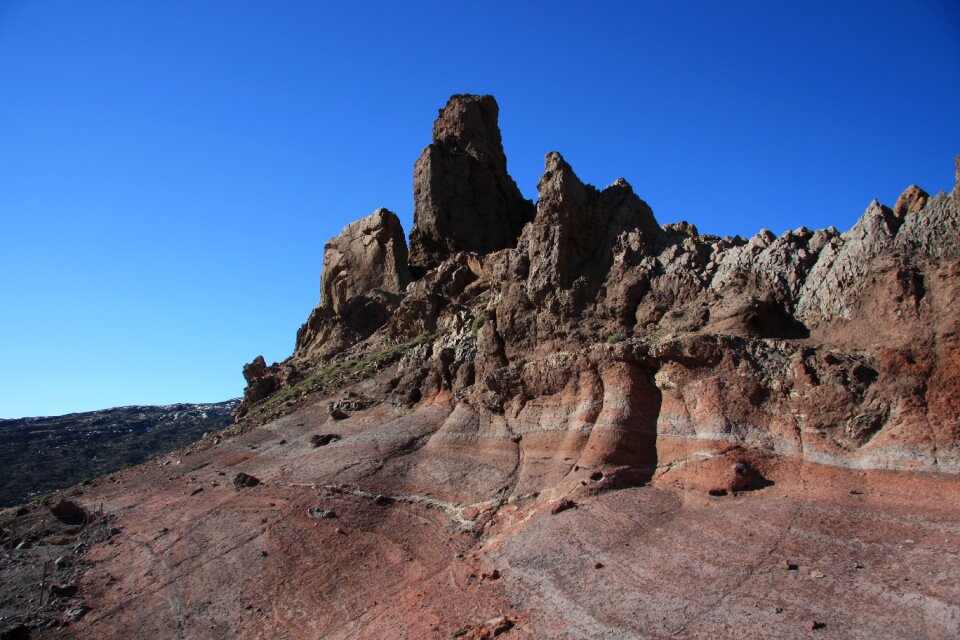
44,454
590,337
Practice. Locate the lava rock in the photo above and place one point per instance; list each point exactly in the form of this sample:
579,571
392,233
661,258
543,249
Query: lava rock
16,632
369,254
563,505
464,200
245,481
912,199
261,382
322,440
69,512
63,591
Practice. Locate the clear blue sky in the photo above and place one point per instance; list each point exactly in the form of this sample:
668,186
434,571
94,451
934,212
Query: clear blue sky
170,171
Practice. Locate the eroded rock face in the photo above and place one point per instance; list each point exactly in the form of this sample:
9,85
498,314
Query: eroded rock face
364,277
814,374
370,254
261,382
912,199
464,200
591,340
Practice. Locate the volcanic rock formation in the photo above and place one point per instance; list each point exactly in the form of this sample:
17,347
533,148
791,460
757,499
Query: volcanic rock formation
464,200
570,421
588,337
370,254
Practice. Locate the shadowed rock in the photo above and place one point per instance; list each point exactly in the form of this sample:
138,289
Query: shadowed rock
245,481
69,512
464,200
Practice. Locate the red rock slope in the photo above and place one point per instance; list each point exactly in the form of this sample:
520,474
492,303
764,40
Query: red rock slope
573,417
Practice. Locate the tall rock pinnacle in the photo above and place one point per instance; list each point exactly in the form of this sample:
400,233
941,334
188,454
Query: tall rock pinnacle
464,200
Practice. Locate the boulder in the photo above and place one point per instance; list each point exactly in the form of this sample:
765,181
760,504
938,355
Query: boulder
245,481
322,440
69,512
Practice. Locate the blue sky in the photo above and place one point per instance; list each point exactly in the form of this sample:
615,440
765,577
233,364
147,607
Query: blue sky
170,171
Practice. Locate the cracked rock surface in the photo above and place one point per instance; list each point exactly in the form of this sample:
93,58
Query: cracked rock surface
715,409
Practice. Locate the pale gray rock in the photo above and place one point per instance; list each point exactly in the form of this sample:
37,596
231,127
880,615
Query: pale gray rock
840,271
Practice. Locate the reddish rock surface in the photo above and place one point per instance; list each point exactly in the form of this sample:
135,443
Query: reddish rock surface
676,561
756,434
369,255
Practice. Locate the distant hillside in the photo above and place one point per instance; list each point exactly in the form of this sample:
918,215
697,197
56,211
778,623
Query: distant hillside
38,455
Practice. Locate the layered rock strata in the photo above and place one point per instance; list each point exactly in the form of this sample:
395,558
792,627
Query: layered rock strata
588,339
778,416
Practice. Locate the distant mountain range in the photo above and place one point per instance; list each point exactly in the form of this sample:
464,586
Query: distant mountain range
38,455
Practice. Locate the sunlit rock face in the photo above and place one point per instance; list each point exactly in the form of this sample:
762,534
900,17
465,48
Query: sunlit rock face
370,254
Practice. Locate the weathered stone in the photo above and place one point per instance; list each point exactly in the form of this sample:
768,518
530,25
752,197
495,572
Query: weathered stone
579,231
322,440
562,505
464,200
956,186
69,512
261,382
912,199
63,590
245,481
370,254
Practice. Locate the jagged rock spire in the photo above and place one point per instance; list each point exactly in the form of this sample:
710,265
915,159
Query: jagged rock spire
578,228
956,188
912,199
464,200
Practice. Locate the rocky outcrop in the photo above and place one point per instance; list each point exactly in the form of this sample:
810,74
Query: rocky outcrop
369,255
912,199
464,200
956,187
588,338
580,232
261,382
364,275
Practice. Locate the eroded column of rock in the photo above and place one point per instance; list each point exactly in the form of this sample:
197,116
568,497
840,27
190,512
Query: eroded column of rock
464,200
565,256
364,273
370,254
